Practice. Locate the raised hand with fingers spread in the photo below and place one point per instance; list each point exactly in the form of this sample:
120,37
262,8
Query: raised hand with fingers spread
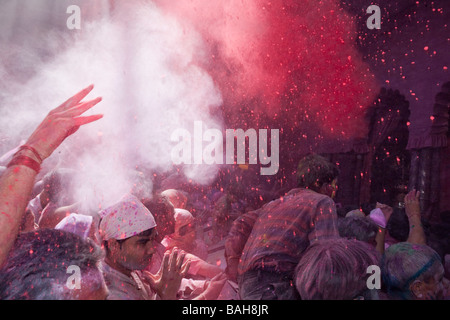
17,180
168,279
62,122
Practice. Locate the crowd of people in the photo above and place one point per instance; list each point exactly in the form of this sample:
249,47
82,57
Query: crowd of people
295,247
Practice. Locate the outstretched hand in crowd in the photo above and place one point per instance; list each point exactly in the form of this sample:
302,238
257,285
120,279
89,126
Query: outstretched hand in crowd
167,281
17,181
62,122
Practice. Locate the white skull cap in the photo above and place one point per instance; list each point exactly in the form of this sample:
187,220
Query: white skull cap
125,219
182,218
79,224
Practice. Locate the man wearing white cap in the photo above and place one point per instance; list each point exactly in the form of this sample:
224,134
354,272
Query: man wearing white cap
184,236
176,197
127,231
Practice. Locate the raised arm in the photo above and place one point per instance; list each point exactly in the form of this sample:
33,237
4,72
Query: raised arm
17,182
381,223
412,209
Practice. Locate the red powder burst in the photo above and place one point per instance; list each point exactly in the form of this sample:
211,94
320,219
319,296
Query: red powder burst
289,58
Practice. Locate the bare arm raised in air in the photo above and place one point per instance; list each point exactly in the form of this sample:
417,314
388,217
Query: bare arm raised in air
17,182
412,208
381,234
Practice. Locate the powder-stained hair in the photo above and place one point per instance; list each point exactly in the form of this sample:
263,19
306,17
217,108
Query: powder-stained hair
404,262
163,211
313,171
36,268
359,228
335,269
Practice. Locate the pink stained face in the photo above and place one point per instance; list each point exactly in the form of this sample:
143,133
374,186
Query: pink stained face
329,189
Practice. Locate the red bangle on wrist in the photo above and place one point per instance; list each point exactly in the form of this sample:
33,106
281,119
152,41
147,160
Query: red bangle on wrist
25,161
36,154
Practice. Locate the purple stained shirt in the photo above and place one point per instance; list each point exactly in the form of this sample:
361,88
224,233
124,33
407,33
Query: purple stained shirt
285,228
